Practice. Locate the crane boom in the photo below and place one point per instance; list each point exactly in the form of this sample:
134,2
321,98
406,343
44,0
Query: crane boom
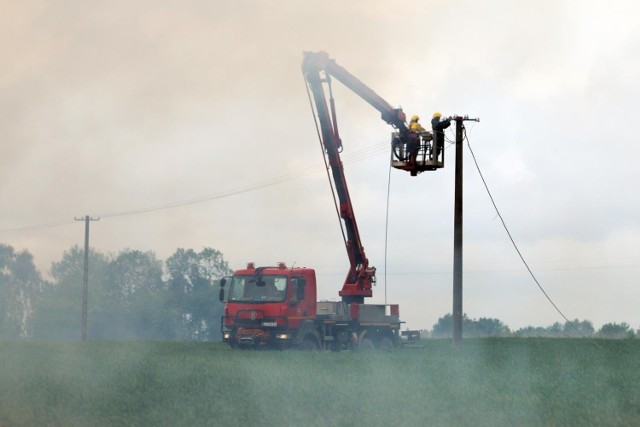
318,69
320,61
276,307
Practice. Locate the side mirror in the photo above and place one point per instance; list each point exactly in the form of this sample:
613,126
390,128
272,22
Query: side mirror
223,281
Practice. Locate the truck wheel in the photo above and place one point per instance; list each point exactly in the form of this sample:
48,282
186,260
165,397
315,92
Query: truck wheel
309,344
308,337
385,344
366,344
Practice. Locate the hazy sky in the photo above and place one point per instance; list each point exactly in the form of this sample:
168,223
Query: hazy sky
108,108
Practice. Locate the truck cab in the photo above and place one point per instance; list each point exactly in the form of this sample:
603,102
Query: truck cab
266,306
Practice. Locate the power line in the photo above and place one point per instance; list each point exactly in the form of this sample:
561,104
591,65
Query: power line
504,225
357,156
45,225
514,243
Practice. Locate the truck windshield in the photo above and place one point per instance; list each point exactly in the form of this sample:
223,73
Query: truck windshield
265,288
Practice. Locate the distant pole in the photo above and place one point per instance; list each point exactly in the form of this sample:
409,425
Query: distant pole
85,285
457,232
457,239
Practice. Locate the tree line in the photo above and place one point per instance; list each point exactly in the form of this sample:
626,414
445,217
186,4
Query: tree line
488,327
132,295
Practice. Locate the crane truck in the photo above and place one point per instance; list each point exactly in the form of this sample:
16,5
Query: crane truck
276,306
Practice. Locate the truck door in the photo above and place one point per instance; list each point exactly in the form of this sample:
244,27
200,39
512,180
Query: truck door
301,299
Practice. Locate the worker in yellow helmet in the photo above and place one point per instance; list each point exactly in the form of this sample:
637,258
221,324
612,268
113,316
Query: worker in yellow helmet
438,126
414,145
414,126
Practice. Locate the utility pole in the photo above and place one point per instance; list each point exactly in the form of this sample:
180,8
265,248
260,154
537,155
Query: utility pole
85,285
457,232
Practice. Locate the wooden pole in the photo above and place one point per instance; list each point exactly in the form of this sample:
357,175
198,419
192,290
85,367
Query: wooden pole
85,282
457,238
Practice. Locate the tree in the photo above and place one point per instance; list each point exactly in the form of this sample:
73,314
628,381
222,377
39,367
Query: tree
20,287
556,330
616,330
483,327
134,297
444,327
192,283
58,315
130,299
531,331
578,329
133,272
488,327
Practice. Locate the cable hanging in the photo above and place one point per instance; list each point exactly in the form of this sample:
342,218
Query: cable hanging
386,231
504,225
324,158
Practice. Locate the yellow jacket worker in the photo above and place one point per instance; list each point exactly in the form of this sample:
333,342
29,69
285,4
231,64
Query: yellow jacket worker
414,126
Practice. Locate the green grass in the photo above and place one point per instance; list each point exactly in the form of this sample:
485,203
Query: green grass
486,382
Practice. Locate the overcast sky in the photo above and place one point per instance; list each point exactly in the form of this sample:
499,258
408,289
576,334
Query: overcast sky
108,108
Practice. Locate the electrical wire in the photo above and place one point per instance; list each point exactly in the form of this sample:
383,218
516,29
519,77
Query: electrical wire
504,225
357,156
324,158
386,230
42,226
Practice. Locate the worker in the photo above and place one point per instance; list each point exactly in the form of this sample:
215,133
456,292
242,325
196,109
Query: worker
414,145
414,126
438,126
266,290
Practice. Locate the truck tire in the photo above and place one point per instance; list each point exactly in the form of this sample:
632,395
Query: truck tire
366,344
308,339
309,343
385,344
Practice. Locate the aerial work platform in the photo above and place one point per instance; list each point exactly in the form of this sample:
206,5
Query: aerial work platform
416,152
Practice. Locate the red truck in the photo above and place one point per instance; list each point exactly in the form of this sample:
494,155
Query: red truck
276,306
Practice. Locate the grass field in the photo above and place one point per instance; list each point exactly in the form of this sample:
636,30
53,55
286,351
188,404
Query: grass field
486,382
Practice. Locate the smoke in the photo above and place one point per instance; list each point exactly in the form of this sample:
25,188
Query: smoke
113,107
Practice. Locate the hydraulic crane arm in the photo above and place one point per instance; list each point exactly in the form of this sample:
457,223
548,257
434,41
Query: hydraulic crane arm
318,62
318,69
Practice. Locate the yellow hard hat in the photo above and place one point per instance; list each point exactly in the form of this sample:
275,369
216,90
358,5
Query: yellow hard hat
437,114
415,118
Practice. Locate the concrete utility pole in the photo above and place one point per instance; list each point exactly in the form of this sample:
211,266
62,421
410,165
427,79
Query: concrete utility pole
85,286
457,232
